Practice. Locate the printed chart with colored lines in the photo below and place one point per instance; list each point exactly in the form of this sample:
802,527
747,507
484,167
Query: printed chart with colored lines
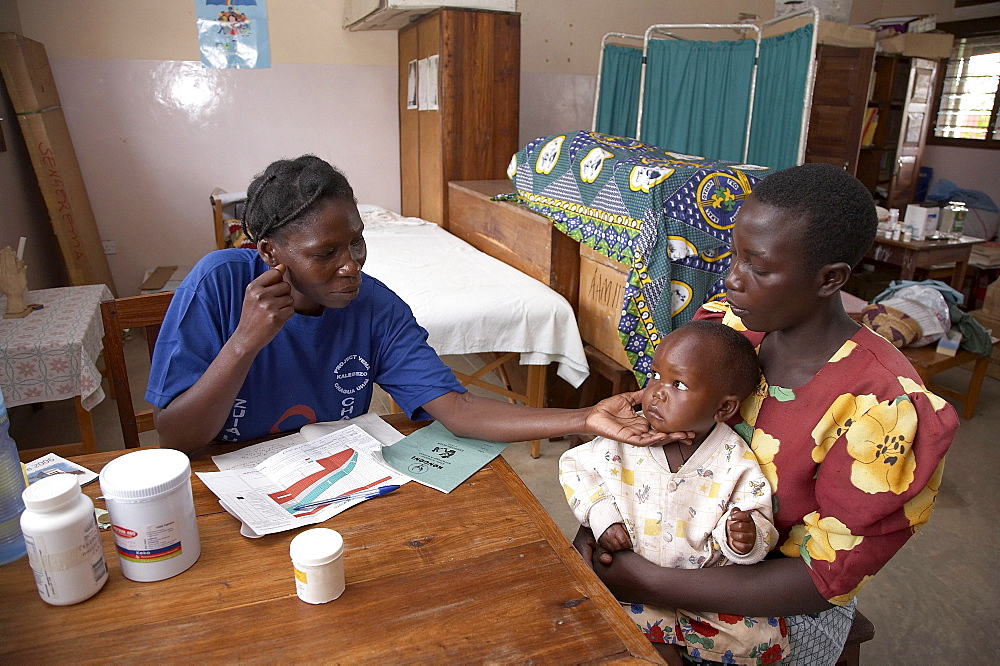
313,479
264,497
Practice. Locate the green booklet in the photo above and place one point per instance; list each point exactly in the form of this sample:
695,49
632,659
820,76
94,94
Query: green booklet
436,458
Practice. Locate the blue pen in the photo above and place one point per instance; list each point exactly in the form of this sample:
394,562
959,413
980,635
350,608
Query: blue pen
366,494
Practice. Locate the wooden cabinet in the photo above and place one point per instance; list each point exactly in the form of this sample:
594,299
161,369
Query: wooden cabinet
473,132
840,96
902,95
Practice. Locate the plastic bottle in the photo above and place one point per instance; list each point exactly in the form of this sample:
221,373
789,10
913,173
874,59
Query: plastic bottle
318,562
958,226
946,220
63,540
11,486
894,226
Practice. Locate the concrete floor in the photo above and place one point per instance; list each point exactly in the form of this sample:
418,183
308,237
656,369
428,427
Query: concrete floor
934,603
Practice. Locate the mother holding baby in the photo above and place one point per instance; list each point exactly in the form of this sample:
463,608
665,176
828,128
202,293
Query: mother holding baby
852,443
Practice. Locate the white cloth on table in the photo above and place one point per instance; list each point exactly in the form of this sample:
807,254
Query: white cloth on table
468,301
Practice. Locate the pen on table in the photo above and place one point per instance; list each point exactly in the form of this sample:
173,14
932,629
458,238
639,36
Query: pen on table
368,493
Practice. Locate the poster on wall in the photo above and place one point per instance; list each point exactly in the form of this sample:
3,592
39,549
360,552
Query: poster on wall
232,34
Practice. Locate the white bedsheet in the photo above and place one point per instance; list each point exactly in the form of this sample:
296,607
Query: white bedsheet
468,301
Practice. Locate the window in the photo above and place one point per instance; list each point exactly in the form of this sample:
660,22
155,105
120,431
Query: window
968,99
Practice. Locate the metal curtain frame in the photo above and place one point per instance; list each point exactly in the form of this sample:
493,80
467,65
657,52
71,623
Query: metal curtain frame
600,68
810,77
660,31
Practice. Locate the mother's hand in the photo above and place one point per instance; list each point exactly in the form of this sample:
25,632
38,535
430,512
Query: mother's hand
619,576
585,543
616,418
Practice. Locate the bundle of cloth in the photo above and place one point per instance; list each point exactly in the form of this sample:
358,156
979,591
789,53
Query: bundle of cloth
915,314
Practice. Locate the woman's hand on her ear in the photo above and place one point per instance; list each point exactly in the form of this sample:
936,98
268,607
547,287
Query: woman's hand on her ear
267,305
616,418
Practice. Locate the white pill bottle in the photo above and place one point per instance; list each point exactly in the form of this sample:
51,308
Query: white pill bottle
318,562
63,541
151,506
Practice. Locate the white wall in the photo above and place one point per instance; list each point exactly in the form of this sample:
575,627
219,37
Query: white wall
154,132
970,169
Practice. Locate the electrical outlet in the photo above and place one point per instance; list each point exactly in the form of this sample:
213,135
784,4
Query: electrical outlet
109,246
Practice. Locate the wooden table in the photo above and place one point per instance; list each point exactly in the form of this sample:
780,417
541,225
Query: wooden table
52,355
911,255
481,574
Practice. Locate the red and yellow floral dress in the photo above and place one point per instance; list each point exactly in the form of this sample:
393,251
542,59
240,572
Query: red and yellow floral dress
854,457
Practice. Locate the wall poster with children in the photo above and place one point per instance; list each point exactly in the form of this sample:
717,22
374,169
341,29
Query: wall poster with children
232,34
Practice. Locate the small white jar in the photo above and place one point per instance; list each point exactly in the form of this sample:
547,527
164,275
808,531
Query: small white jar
318,562
63,541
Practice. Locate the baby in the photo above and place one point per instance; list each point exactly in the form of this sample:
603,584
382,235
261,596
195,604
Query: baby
688,504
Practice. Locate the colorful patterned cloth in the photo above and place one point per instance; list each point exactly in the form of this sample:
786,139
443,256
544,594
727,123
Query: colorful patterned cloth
665,215
854,457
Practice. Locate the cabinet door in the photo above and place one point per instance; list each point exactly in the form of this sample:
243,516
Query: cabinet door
409,128
429,37
840,96
913,131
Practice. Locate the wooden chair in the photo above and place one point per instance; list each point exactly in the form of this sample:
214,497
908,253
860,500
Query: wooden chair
146,311
862,630
225,206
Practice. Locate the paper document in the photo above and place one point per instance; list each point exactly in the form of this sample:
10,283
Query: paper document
50,464
255,454
265,497
436,458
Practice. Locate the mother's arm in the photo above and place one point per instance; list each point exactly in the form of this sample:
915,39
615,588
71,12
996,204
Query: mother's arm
771,588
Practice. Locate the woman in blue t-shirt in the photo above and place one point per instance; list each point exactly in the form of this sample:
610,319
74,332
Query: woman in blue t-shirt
264,341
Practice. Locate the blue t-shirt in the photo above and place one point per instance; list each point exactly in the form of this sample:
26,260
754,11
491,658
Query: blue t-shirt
315,369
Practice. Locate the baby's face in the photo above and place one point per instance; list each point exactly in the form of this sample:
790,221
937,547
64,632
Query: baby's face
682,393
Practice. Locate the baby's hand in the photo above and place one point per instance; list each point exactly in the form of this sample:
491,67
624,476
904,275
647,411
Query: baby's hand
615,538
741,532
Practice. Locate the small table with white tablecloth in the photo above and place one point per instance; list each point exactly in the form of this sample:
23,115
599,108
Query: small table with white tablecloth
51,354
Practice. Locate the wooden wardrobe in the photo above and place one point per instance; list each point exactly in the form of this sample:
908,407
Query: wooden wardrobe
474,131
840,96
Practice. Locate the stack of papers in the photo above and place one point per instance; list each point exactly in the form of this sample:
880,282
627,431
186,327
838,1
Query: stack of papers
267,497
266,485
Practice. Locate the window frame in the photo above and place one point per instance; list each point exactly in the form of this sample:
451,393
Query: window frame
963,29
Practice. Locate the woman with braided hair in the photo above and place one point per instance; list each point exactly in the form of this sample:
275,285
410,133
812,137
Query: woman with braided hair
264,341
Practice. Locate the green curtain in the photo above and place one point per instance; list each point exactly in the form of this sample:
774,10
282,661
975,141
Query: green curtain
618,100
696,96
777,110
